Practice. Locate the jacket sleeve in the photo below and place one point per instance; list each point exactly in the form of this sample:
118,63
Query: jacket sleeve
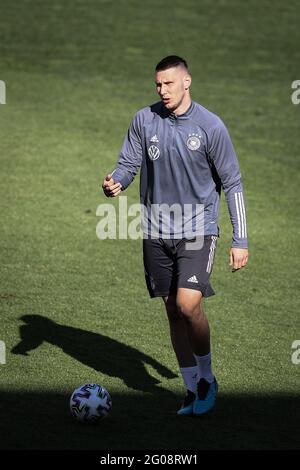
223,156
130,157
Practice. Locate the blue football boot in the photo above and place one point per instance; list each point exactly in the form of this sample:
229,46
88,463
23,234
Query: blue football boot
187,405
206,396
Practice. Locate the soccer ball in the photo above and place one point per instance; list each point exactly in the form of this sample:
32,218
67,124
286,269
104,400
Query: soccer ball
90,403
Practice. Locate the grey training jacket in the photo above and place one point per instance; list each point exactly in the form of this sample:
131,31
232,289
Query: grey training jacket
184,160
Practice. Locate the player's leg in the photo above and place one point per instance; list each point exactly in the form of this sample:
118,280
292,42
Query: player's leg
190,307
178,333
161,281
184,354
194,269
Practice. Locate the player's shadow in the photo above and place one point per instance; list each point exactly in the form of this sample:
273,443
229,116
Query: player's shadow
95,350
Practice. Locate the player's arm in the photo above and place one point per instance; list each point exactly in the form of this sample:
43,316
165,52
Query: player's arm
129,161
225,161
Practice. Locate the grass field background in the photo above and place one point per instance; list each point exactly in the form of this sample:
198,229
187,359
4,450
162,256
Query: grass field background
75,73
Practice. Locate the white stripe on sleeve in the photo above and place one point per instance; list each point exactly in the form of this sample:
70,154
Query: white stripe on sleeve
241,215
238,213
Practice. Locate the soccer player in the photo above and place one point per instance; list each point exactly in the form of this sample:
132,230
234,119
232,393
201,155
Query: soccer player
186,156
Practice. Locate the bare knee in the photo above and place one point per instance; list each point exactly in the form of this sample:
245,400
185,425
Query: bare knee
189,310
174,315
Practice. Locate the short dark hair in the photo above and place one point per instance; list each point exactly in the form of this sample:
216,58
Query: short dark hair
170,61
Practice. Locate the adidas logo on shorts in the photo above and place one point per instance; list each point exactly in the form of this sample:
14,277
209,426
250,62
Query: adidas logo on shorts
193,279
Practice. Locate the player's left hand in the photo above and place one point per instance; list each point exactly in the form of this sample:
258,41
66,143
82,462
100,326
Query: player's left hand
238,258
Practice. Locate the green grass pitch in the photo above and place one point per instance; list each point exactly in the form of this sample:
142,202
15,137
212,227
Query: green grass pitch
75,74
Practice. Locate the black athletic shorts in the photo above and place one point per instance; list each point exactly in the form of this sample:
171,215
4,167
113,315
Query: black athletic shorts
169,265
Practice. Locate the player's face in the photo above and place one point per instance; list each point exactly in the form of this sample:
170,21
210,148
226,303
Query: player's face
172,85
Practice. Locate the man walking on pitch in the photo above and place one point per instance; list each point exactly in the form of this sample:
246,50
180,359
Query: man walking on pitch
186,156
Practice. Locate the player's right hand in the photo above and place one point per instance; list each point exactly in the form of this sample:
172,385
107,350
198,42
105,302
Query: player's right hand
110,188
